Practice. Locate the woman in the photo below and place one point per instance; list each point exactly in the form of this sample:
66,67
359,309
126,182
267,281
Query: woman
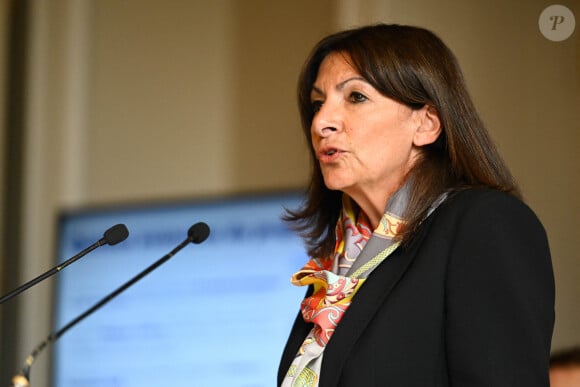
427,269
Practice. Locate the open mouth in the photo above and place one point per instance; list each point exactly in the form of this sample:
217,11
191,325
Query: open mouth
328,154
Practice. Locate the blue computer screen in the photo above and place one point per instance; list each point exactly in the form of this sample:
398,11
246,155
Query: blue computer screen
215,314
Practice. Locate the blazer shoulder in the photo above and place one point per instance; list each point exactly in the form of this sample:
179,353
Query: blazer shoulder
472,196
484,203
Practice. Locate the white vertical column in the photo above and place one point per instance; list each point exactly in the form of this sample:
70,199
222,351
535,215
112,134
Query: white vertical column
54,162
76,65
34,321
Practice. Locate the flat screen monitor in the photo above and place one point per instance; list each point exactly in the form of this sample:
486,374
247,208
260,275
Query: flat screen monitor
215,314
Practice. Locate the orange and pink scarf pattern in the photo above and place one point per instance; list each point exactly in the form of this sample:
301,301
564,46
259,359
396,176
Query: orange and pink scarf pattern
333,293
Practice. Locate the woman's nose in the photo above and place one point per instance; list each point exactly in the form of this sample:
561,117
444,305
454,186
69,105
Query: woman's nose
326,120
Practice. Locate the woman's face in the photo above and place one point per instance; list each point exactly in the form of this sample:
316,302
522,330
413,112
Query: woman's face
362,139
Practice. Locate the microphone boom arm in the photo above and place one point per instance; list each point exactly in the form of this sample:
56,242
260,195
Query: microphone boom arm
112,236
49,273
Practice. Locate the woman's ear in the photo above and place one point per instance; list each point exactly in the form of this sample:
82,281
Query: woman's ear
429,127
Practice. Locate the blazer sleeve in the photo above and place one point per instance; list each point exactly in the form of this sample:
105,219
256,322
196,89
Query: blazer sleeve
500,296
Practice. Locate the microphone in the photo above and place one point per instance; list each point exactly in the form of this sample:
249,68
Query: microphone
196,234
112,236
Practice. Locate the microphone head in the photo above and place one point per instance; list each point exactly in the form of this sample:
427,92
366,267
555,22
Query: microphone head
117,233
198,233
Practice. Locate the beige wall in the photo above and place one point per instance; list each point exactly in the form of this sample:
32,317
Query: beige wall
146,100
202,107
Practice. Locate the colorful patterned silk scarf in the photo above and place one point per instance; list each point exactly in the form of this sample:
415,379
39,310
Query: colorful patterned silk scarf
337,279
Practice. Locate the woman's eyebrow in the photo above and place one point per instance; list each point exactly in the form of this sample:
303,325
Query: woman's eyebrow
342,84
339,86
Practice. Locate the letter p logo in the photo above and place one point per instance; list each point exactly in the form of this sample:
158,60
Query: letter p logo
556,20
557,23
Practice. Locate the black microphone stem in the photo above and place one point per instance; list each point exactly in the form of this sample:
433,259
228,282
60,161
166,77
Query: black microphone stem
112,236
55,335
49,273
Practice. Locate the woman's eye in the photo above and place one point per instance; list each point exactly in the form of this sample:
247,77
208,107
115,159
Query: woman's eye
357,97
316,105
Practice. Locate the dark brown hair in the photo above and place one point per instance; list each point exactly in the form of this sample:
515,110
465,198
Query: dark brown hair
567,357
412,66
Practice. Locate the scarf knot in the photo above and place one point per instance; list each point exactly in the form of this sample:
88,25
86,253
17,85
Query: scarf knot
331,297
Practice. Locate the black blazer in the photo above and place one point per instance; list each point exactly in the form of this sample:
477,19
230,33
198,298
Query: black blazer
470,302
